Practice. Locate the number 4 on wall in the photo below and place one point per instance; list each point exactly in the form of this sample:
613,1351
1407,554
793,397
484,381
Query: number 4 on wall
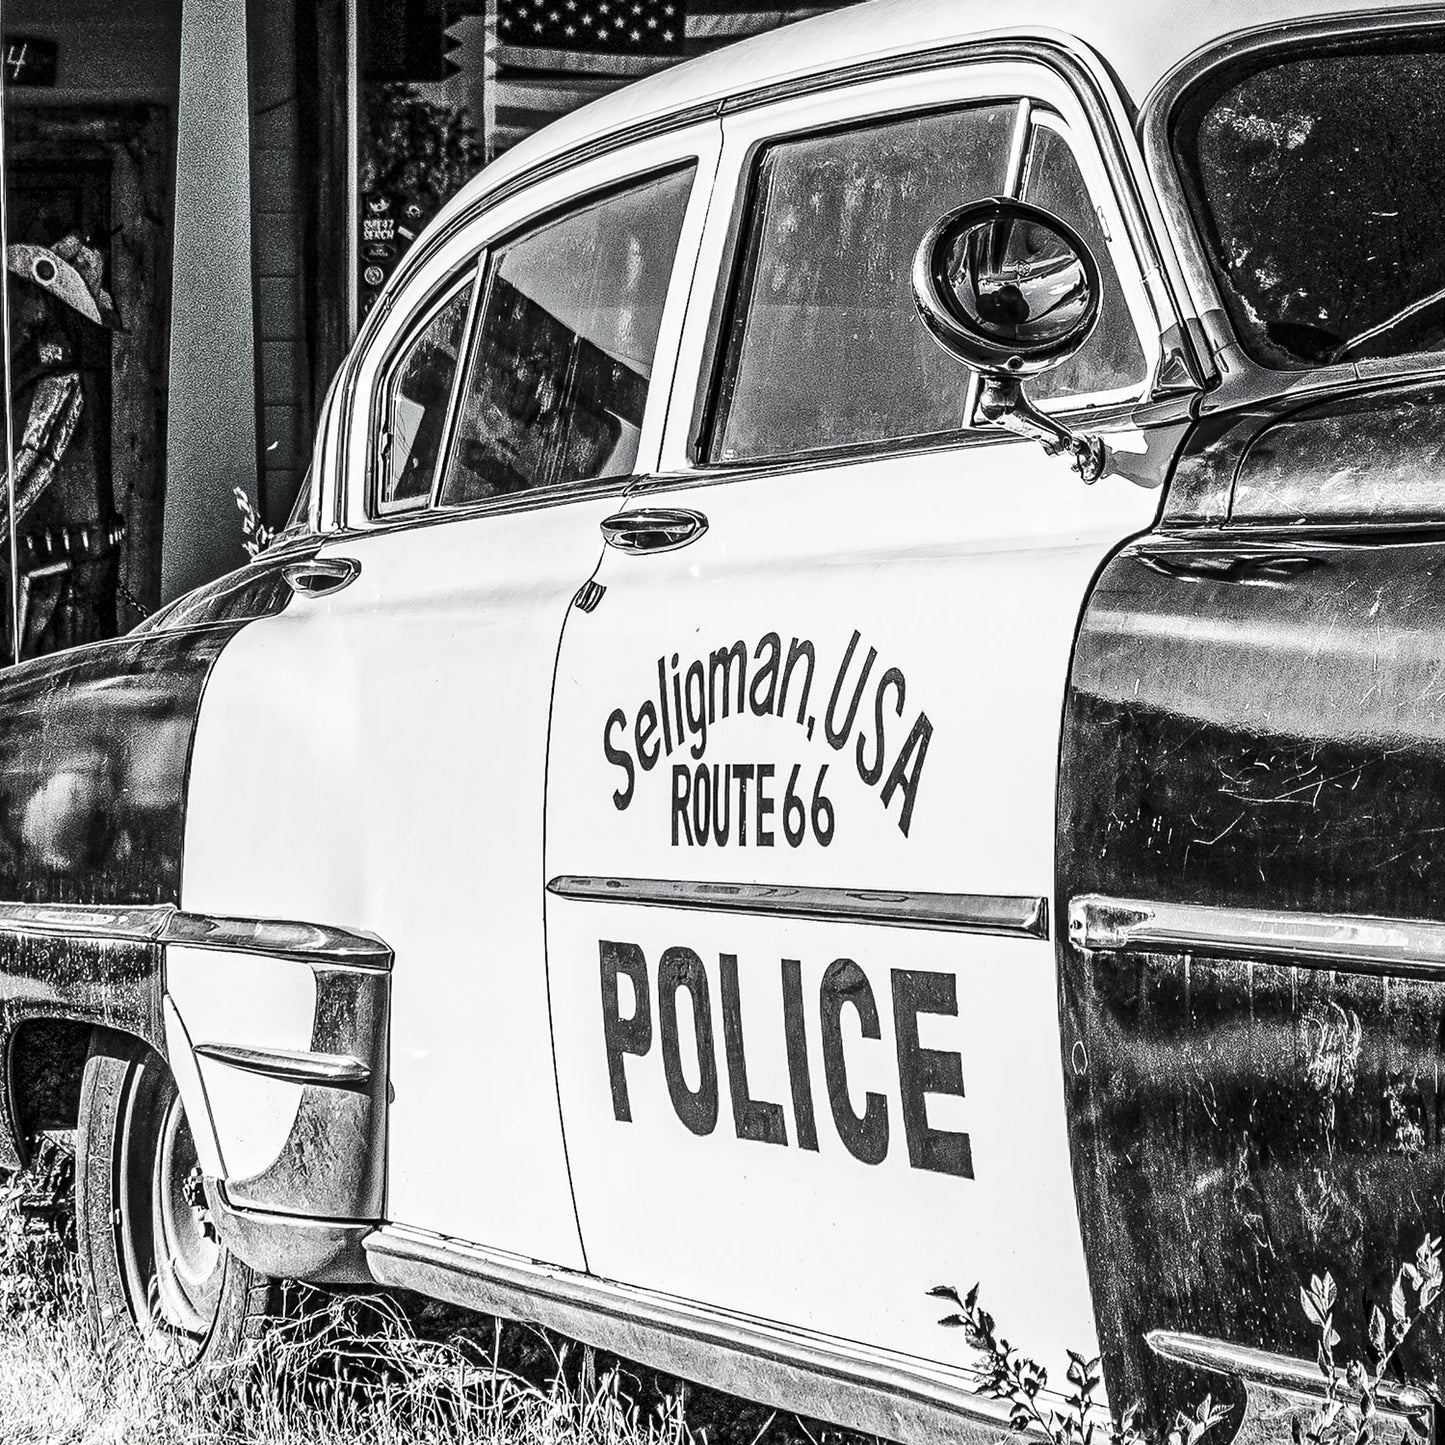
29,61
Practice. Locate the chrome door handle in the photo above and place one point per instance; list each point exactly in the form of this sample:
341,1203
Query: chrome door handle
320,576
653,529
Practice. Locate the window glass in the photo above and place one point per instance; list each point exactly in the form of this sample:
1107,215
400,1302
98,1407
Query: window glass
825,346
563,348
417,393
299,519
1111,359
1317,182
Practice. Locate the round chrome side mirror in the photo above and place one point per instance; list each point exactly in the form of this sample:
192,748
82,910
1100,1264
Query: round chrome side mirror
1007,288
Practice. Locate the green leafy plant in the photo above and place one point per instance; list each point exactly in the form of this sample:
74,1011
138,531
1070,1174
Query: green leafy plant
1348,1413
256,536
1020,1381
1350,1406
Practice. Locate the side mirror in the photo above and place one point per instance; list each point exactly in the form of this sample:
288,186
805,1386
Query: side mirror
1011,291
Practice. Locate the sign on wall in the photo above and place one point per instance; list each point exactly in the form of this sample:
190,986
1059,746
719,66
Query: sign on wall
29,61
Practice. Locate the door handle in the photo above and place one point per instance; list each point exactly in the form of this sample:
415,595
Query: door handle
653,529
320,576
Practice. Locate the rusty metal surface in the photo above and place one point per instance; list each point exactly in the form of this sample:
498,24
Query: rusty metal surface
111,983
1255,725
1369,457
94,751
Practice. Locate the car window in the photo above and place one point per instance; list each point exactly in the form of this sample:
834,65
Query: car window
824,347
417,394
562,350
1316,180
1112,358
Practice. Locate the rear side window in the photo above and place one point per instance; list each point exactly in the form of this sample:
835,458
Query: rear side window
418,390
825,348
563,346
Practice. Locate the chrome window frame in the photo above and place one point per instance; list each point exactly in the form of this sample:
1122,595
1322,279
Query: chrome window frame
487,273
1242,380
1166,349
481,265
1146,221
470,273
1090,403
728,308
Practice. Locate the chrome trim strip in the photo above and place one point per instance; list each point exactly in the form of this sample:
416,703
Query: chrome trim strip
277,938
164,923
144,924
295,1066
1266,1370
954,912
1018,149
1334,940
883,1394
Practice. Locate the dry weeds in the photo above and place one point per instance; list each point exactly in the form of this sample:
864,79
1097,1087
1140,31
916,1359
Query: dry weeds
344,1369
353,1372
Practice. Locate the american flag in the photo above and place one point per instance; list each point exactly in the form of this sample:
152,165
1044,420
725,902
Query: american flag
546,57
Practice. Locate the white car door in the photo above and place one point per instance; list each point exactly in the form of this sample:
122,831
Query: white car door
800,840
400,721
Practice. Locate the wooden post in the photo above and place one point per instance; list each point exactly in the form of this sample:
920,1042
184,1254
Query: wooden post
212,420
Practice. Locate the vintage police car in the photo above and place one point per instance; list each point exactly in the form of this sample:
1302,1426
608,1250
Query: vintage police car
705,829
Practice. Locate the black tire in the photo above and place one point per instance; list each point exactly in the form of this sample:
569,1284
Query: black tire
150,1260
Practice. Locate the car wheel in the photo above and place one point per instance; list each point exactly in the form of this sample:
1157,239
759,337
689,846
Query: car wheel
150,1257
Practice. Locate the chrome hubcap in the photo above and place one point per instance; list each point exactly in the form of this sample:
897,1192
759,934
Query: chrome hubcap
171,1255
188,1253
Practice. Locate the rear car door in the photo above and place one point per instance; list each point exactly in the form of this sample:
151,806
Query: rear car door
801,775
396,713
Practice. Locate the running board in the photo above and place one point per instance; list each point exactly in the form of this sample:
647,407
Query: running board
865,1389
1278,1388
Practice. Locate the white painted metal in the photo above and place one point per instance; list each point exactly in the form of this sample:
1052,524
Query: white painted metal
966,569
193,1093
376,758
244,999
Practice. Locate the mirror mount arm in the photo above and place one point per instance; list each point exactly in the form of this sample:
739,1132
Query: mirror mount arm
1002,402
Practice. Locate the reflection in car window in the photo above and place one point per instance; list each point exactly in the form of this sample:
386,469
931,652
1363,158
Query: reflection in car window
1111,359
564,343
418,392
1318,182
825,348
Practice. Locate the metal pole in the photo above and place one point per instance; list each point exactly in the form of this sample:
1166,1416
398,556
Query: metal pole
5,371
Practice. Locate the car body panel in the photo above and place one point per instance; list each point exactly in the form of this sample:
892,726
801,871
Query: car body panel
412,709
1267,1115
468,995
896,702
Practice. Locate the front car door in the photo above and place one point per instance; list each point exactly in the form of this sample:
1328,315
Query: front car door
801,775
397,725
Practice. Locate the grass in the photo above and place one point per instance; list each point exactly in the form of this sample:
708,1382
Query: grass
56,1385
349,1370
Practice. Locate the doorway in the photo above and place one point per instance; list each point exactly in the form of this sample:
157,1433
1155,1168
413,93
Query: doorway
89,547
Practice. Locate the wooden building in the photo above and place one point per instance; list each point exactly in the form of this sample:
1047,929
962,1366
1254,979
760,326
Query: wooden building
250,173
